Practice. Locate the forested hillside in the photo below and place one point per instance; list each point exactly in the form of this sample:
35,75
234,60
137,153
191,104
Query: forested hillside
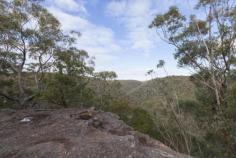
149,93
42,68
129,85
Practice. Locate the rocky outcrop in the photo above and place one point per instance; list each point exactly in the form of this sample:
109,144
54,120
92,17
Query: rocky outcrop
73,133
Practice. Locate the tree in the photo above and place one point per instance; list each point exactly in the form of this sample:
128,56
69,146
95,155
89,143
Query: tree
175,129
35,55
107,88
67,85
106,75
29,34
206,45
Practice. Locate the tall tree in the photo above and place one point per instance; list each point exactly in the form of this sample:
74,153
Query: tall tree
206,44
28,36
31,45
67,85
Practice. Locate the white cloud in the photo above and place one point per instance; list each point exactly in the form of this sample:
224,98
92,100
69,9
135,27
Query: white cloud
135,16
69,22
116,8
70,5
99,41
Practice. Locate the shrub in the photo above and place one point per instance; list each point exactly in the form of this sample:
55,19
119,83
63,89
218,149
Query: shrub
137,118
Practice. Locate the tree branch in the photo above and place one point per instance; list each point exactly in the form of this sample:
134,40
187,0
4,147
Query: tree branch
8,97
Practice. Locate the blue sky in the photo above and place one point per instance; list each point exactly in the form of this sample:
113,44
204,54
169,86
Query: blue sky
116,33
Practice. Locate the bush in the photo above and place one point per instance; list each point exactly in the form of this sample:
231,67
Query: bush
67,91
137,118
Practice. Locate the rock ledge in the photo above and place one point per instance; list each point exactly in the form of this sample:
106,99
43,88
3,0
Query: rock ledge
74,133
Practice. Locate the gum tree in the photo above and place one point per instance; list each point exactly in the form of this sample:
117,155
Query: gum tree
206,44
32,47
28,36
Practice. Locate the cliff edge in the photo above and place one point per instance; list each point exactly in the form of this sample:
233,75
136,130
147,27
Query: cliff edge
74,133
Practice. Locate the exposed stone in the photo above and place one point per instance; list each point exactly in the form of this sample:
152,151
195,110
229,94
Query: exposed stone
73,133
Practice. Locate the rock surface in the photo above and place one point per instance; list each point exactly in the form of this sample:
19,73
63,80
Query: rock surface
73,133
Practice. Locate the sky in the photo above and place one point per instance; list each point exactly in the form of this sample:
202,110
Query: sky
116,33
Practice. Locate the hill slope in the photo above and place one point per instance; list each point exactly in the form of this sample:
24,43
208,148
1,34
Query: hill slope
127,85
149,94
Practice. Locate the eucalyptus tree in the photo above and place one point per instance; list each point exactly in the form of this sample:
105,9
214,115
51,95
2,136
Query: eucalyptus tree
207,44
67,85
32,46
29,34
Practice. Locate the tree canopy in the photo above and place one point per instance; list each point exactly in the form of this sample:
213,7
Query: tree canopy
33,44
206,44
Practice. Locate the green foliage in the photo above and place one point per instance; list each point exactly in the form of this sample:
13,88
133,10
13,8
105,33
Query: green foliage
106,75
160,64
192,107
61,89
40,64
24,47
128,85
231,99
150,93
207,46
185,34
72,62
217,130
137,118
32,44
68,85
107,89
67,91
172,19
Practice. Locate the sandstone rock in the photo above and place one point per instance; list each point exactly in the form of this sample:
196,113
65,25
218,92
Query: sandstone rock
65,134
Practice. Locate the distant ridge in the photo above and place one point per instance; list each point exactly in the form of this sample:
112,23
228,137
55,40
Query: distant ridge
148,93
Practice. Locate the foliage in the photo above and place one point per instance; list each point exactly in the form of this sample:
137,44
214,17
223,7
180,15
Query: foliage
206,45
61,90
137,118
70,78
107,89
39,63
22,42
33,45
148,92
